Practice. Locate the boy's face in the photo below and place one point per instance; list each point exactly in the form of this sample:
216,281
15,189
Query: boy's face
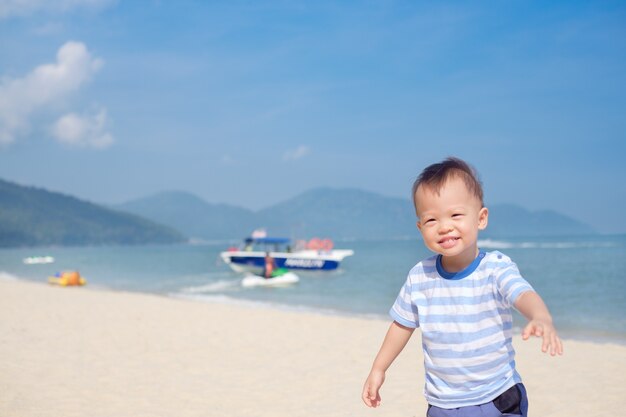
450,221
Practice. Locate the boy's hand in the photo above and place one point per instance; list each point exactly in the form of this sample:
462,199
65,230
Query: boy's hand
370,395
539,322
545,329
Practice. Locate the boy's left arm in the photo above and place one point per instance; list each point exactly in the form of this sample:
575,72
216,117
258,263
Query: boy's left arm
539,324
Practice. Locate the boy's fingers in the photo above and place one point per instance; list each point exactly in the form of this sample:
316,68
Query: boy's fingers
366,394
550,340
531,329
375,397
545,342
552,343
558,345
552,346
370,396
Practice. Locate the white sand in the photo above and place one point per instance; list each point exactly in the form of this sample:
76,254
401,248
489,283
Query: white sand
79,352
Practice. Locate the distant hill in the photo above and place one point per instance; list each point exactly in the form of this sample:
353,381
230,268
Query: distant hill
346,213
334,213
511,220
32,216
193,216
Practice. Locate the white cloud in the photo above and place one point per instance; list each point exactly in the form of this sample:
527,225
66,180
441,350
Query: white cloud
298,153
85,131
27,7
42,87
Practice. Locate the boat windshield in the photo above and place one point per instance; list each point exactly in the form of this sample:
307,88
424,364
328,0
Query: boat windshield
267,244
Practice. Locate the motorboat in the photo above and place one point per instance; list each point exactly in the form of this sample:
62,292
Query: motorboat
314,255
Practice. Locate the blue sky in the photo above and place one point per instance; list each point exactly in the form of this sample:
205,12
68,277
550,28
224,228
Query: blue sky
251,103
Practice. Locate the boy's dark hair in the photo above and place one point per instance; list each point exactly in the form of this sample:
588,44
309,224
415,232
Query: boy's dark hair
435,175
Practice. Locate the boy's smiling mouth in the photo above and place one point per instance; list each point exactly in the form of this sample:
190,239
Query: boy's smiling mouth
448,242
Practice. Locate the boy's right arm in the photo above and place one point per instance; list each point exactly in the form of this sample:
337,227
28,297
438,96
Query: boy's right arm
395,340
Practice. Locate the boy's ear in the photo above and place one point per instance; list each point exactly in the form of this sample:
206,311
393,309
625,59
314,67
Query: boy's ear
483,218
419,226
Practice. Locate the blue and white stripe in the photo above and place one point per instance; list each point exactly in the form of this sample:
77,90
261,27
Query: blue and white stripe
466,325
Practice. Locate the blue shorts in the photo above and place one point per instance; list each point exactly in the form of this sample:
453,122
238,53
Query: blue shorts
512,402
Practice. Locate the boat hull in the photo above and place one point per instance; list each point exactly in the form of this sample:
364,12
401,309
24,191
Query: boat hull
241,261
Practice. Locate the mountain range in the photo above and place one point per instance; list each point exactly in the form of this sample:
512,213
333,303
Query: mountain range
31,216
331,212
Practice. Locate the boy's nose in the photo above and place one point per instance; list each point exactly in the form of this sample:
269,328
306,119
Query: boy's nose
444,228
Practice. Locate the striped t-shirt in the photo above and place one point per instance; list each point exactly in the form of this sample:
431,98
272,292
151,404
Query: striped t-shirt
466,324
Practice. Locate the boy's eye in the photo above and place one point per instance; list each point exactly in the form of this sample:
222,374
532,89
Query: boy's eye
429,221
457,215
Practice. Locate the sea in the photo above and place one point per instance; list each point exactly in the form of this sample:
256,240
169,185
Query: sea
582,279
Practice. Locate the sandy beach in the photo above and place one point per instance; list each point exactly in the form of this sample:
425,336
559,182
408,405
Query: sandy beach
84,352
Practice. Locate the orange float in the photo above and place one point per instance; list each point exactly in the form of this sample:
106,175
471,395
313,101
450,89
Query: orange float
67,278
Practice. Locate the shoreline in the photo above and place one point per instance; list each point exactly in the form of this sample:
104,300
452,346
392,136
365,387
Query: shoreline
84,351
596,336
593,336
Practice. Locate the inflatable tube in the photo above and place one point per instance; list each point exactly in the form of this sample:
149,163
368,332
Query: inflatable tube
287,278
67,278
327,245
314,244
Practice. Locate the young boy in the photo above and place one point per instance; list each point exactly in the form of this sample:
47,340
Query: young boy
462,298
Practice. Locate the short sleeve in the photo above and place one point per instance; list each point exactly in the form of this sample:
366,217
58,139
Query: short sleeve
404,311
509,281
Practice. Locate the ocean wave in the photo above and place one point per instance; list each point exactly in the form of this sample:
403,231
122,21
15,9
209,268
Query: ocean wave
218,286
5,276
218,298
495,244
502,244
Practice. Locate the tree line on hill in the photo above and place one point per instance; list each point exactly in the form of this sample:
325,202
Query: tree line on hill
32,216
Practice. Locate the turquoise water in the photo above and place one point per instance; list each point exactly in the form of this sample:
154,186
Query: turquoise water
582,279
